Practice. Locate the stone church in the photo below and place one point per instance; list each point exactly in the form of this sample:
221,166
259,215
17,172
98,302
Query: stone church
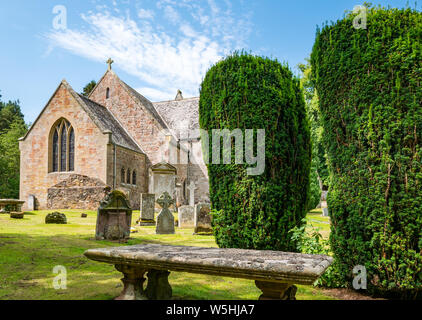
81,147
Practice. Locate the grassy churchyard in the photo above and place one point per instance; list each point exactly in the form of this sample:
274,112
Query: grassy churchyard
30,249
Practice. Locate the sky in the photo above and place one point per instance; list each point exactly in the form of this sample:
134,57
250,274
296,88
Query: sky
157,46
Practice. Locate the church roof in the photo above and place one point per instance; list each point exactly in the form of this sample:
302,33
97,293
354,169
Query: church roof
182,116
106,121
100,115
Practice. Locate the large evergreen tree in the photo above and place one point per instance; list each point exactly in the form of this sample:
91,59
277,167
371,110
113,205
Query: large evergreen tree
257,212
369,87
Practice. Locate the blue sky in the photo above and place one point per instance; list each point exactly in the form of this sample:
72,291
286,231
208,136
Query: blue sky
158,46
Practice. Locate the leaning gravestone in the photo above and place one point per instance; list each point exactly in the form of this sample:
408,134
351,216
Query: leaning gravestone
203,219
147,209
186,217
56,218
114,218
165,219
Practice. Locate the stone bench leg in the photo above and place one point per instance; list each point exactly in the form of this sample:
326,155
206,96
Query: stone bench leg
158,287
133,283
276,291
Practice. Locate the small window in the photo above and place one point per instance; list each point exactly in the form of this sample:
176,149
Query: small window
122,175
108,93
128,177
134,177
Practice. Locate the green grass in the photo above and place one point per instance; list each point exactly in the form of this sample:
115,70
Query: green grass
30,249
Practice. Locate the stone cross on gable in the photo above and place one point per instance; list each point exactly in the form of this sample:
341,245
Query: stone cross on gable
109,62
192,188
165,201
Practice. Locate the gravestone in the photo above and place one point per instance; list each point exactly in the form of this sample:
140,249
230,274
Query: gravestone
186,217
203,219
325,212
165,219
31,202
114,218
147,210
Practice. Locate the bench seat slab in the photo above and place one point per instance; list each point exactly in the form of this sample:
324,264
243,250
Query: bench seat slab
274,272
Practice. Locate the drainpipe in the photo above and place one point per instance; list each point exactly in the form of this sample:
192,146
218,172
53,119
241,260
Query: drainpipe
110,142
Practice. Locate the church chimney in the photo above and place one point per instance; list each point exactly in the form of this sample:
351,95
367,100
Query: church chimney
179,95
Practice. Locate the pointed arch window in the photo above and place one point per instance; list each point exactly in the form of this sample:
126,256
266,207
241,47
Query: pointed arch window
108,93
128,176
62,147
134,177
71,157
123,175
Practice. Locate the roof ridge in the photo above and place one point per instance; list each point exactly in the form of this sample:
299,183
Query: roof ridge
184,99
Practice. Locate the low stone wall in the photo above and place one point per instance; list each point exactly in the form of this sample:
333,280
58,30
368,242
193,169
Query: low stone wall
77,192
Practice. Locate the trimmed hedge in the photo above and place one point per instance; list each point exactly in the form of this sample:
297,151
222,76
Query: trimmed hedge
256,212
369,87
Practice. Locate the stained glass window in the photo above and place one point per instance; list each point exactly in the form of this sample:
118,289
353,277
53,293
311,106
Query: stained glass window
55,151
72,150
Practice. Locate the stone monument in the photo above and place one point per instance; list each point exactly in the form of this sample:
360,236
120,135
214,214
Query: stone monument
165,219
114,218
186,217
203,219
147,217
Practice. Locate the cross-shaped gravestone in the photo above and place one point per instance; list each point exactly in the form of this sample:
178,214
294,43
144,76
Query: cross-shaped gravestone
109,62
165,219
192,188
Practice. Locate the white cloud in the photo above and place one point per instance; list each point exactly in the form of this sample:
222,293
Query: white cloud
145,14
163,59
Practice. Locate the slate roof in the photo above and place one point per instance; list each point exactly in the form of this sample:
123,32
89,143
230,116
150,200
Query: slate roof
106,121
181,116
145,102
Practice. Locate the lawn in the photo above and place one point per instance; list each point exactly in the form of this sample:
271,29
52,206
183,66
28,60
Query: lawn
30,249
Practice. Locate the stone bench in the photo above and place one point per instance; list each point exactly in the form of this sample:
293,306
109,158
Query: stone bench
15,204
275,273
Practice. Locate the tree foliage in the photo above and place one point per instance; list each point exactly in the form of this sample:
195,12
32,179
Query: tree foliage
369,87
88,88
256,212
12,127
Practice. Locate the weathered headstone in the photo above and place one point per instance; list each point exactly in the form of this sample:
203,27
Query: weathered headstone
147,210
203,219
186,217
165,219
56,218
325,212
114,218
31,202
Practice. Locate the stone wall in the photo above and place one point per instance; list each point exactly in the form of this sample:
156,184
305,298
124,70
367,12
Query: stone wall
77,192
90,148
133,115
131,160
198,173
